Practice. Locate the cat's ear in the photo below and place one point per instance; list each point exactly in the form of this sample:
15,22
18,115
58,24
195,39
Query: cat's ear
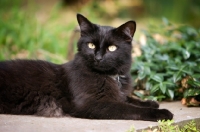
85,24
127,30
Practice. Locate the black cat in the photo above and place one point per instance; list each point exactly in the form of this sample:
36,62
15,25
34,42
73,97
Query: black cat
95,85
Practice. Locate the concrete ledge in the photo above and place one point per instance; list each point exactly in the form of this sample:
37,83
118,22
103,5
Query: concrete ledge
14,123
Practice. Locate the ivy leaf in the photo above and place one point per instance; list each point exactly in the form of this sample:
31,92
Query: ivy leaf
186,54
157,78
173,67
141,74
196,75
194,83
170,93
151,98
163,87
138,94
148,85
191,92
161,97
155,88
177,76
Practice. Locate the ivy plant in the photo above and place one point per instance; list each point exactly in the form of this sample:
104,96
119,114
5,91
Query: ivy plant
169,67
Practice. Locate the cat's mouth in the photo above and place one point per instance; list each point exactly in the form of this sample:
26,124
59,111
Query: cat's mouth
101,66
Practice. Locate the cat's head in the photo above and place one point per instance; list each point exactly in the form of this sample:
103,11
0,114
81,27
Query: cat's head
106,49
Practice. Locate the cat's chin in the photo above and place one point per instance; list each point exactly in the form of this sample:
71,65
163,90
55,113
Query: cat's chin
104,70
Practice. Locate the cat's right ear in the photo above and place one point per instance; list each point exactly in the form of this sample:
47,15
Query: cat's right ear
127,30
85,25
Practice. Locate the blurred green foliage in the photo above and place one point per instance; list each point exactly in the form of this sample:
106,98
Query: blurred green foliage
179,11
43,29
169,66
23,36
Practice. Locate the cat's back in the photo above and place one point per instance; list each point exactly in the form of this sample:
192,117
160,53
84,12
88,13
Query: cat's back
26,67
27,72
14,65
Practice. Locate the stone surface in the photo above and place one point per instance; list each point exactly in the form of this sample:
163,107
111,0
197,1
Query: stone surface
14,123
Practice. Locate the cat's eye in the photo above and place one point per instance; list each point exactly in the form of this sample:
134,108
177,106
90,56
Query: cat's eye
112,48
91,45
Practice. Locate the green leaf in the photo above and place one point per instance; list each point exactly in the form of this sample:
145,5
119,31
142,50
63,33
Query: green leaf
138,94
155,88
186,54
196,75
160,97
151,98
170,93
148,85
177,76
163,87
173,67
194,83
143,72
191,92
141,75
157,78
162,57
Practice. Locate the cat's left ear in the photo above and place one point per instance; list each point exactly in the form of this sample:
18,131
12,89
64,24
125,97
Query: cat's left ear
127,30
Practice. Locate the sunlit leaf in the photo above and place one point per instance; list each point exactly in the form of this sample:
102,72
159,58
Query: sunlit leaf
148,86
177,76
138,94
186,54
141,75
163,87
157,78
155,88
171,93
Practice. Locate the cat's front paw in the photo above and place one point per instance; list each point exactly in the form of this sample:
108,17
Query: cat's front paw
152,104
164,114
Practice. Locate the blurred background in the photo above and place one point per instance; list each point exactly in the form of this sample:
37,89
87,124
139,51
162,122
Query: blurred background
47,29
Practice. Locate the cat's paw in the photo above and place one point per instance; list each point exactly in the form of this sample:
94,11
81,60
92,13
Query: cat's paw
163,114
152,104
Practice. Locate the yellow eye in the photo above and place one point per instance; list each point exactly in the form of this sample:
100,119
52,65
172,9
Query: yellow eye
112,48
91,45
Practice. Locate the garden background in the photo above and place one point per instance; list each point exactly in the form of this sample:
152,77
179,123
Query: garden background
166,46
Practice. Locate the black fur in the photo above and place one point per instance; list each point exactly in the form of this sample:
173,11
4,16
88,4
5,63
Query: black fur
95,85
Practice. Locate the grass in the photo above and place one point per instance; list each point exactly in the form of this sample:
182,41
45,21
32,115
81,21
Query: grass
169,126
23,35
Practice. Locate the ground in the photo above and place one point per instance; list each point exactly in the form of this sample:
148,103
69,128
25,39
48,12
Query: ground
14,123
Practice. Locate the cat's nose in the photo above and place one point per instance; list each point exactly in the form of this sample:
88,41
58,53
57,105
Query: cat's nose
98,57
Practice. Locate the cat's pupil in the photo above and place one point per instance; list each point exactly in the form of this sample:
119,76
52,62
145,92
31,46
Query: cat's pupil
112,48
91,45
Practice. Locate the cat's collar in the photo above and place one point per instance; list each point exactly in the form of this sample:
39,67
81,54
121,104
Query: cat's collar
117,78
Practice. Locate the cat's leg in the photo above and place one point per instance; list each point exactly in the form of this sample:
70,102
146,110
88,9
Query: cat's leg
49,107
147,103
118,110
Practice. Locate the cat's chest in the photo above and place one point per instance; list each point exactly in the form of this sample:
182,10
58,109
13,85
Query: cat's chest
93,82
95,87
